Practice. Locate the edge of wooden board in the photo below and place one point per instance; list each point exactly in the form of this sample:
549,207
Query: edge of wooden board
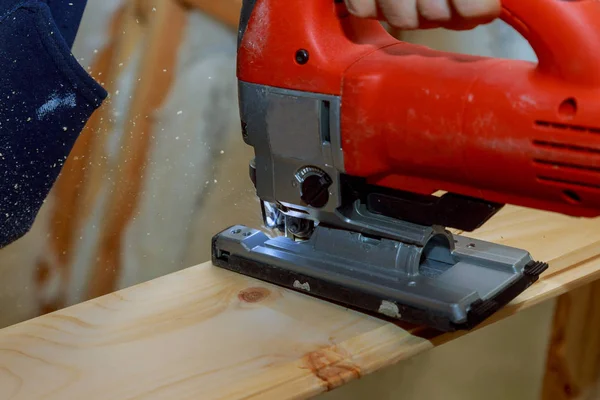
205,332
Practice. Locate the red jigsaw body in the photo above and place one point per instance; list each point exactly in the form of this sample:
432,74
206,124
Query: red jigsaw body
421,120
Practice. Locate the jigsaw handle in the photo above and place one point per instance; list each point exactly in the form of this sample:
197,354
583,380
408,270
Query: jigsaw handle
565,35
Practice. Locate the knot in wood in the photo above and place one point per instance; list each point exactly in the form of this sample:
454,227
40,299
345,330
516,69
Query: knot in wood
254,295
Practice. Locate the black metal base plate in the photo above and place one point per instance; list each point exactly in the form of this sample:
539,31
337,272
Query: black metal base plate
368,302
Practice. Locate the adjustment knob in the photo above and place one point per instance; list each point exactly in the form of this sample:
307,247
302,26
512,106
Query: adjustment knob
314,186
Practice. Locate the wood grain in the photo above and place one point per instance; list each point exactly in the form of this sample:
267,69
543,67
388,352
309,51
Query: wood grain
167,25
226,11
131,33
573,365
71,181
208,333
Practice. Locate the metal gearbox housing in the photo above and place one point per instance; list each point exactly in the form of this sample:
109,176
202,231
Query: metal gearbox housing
370,256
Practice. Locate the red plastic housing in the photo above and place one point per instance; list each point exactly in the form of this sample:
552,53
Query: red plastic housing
421,120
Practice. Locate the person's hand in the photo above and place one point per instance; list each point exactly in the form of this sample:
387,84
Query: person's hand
418,14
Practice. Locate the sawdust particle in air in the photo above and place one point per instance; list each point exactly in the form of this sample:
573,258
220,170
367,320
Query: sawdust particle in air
254,294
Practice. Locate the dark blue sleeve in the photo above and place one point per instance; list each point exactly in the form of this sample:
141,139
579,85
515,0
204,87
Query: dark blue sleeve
67,15
46,98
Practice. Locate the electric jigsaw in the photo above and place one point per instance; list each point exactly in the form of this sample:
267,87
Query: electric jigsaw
368,150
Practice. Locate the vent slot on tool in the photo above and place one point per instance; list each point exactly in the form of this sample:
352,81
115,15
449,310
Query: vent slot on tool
563,127
571,166
325,121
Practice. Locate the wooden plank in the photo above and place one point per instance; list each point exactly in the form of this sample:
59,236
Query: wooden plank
167,23
573,365
67,192
131,33
208,333
226,11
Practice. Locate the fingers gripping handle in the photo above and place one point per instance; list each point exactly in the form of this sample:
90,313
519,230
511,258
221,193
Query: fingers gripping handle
565,36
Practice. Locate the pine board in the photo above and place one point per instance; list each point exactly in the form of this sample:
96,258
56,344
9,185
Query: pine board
207,333
226,11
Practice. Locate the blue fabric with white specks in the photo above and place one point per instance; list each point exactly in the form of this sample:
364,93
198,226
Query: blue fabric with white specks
67,16
46,98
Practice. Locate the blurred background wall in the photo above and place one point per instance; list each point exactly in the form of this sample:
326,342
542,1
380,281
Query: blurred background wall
161,167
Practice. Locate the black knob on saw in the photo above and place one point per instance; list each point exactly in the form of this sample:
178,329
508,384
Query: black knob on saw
314,189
